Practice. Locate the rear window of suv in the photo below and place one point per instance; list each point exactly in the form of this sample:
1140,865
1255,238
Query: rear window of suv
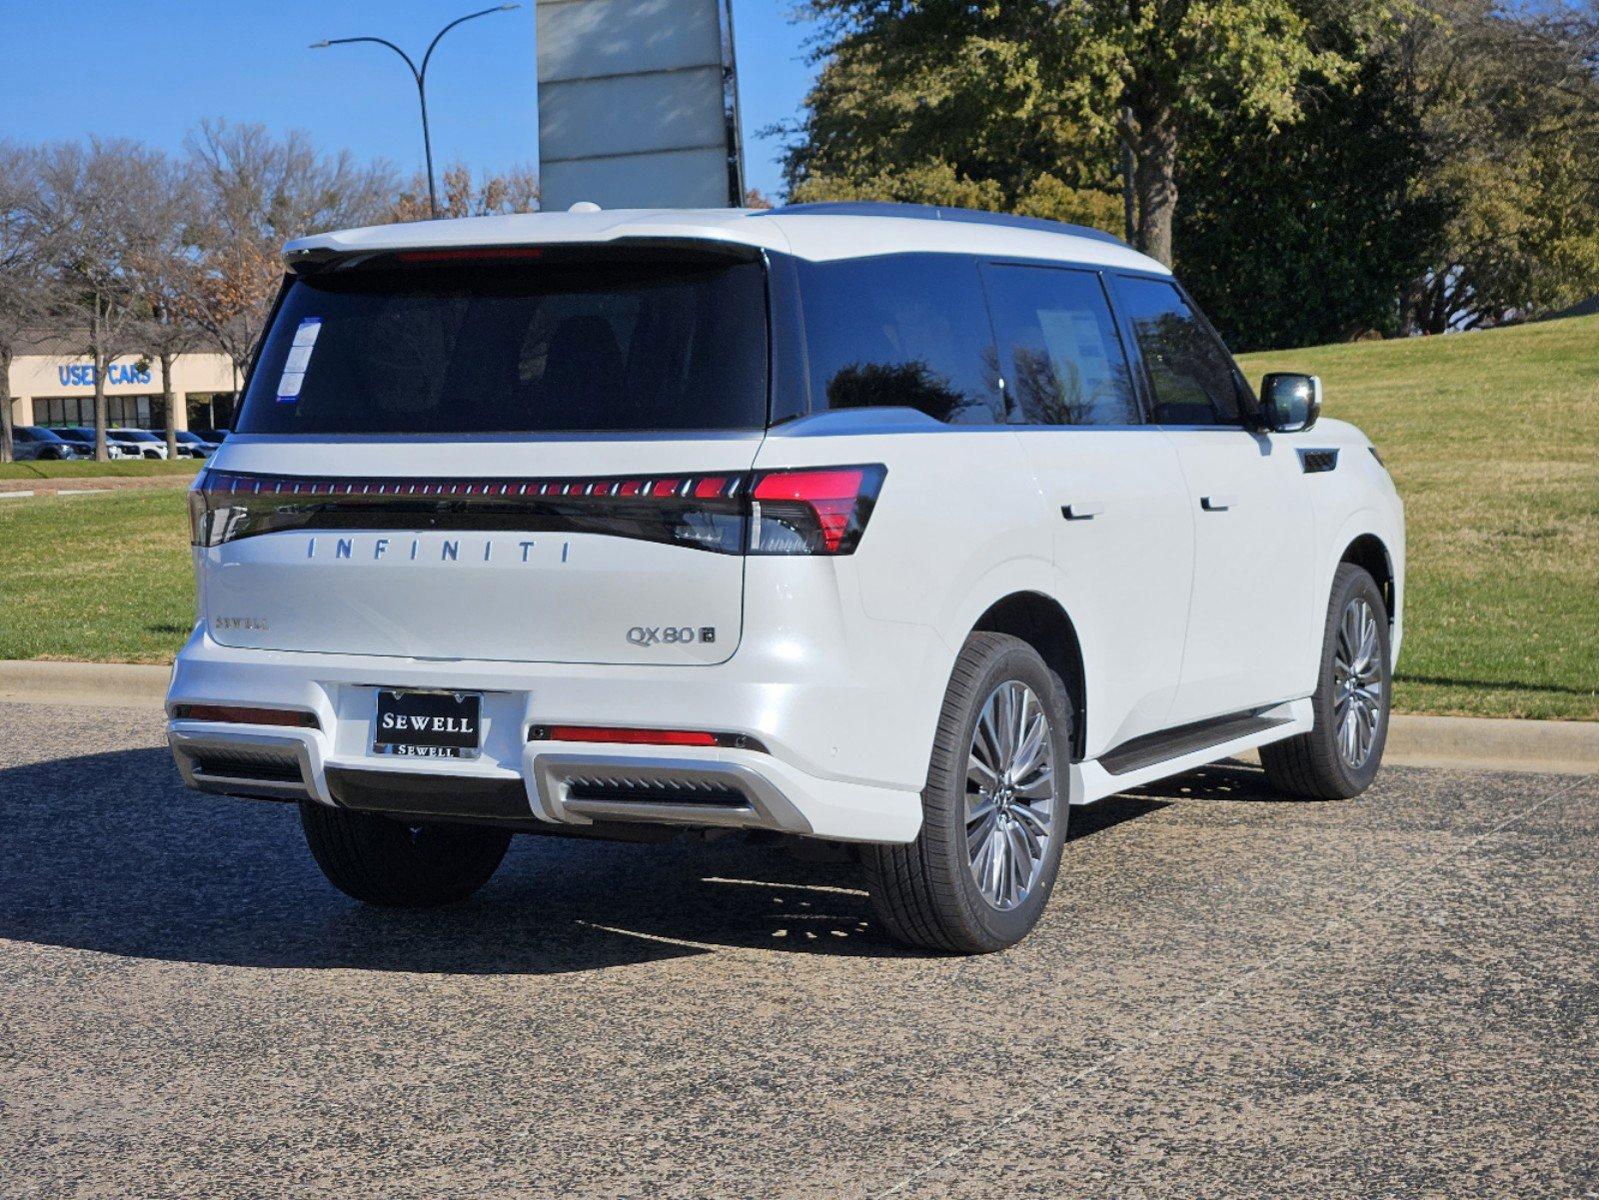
528,348
904,331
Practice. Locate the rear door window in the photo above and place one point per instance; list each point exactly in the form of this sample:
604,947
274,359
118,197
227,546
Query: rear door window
560,348
901,330
1063,359
1191,374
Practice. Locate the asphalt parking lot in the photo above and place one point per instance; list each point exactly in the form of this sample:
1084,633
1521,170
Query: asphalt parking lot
1231,995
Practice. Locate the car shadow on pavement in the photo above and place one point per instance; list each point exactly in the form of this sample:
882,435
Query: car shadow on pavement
110,853
1230,780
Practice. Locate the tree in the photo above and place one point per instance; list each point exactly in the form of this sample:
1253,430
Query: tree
1450,181
24,278
97,206
966,106
1011,93
164,272
1311,234
257,192
1510,104
514,191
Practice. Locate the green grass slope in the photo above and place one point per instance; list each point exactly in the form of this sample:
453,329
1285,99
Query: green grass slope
102,578
1493,440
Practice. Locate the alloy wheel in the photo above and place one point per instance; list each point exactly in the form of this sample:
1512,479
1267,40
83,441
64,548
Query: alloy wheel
1357,683
1012,795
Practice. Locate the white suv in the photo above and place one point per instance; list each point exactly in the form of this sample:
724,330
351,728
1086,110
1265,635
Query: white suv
895,526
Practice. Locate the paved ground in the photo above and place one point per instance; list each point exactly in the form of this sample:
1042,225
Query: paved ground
1231,996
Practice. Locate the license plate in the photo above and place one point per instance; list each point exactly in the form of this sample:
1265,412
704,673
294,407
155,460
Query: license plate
428,724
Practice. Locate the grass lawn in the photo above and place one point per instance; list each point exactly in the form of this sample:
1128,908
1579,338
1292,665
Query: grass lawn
1493,439
78,468
96,577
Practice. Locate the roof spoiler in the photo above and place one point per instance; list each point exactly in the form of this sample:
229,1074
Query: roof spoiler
314,260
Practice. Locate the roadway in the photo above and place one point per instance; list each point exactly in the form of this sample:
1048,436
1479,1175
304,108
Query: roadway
1232,995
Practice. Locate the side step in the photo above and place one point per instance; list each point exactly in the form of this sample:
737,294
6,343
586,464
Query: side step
1174,751
1185,739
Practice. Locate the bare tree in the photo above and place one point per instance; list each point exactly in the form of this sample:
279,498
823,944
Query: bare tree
258,191
24,278
96,206
513,191
164,275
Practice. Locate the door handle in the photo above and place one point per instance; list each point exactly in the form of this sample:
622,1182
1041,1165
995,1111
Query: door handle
1082,511
1218,503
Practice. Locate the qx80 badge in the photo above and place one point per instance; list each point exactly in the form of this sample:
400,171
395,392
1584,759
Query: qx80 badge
671,635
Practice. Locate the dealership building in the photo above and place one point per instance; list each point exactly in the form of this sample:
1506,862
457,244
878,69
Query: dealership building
52,384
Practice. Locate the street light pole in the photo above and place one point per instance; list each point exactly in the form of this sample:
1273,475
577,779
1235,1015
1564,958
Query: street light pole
420,75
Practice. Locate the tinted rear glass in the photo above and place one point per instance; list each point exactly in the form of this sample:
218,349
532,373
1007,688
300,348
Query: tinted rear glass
902,330
596,347
1062,355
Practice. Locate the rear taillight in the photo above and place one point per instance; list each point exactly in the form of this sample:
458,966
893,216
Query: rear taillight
197,510
807,511
632,736
813,510
235,714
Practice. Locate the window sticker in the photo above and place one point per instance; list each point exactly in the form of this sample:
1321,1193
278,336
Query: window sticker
298,360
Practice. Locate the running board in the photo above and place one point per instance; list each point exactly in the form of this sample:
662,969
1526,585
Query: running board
1174,751
1185,739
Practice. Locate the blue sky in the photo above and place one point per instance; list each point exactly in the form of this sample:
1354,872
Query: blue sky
151,69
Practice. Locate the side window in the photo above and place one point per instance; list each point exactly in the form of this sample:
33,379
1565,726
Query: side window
1192,374
903,330
1062,357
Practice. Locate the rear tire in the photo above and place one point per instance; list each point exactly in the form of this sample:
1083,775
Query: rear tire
1340,756
1005,826
379,860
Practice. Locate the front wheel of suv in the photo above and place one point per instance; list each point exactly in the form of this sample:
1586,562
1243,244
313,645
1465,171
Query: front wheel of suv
1339,757
994,810
384,861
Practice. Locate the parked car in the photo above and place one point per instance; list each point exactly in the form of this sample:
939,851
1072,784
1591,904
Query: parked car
151,445
906,528
192,445
34,442
116,447
84,446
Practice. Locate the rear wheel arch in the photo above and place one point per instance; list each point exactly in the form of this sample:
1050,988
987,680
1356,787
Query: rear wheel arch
1042,623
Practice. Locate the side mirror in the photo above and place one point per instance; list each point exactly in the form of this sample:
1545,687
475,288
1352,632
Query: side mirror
1289,402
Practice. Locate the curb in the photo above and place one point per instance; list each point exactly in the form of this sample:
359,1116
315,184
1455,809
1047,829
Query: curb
1477,743
116,684
1565,747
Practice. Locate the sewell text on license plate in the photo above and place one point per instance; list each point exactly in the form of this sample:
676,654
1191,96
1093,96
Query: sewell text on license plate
428,724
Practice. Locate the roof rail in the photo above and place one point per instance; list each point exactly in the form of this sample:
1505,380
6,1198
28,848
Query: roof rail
929,212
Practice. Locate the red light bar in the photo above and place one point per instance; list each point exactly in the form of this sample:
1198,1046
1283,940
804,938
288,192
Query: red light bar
233,714
631,737
642,737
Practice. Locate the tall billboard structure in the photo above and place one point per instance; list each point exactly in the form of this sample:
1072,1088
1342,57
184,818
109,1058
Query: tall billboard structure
638,104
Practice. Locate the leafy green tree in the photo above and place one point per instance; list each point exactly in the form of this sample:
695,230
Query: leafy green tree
1312,233
965,105
1509,101
1009,91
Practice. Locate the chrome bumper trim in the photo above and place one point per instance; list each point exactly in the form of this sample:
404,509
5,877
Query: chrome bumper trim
555,775
189,750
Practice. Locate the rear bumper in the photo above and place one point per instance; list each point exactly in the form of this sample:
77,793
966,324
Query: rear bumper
551,783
